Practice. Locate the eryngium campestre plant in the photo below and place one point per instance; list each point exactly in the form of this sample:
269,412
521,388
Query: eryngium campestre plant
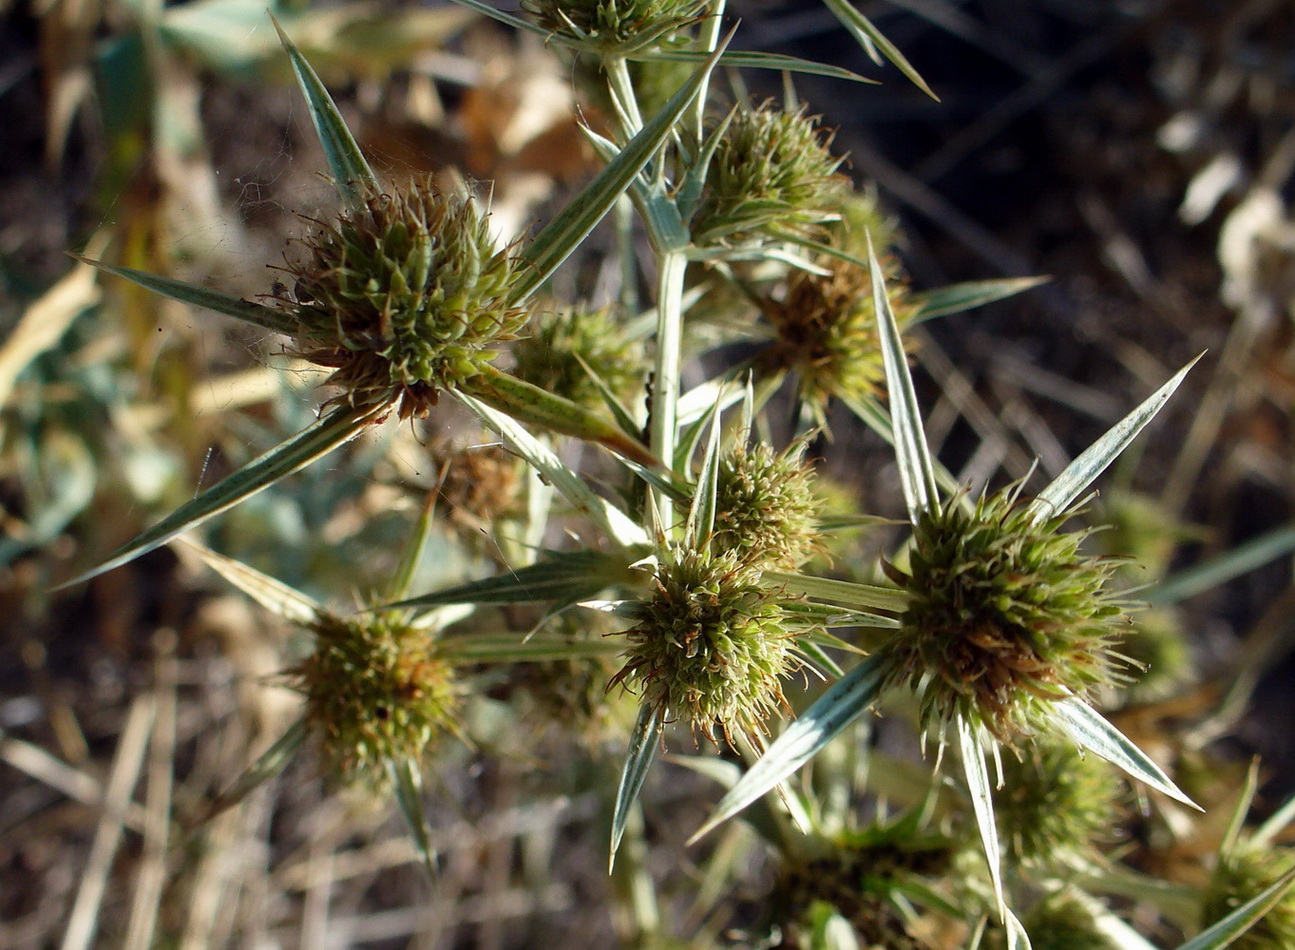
376,692
766,509
1005,616
615,26
405,295
711,646
1055,803
771,174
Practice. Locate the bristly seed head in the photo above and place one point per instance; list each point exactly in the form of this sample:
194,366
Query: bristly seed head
376,692
1005,616
615,26
712,645
772,171
403,296
766,509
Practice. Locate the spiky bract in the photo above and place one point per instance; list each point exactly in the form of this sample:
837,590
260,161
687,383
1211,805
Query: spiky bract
766,509
1005,616
405,295
376,692
711,646
1242,876
550,356
615,26
771,174
1055,803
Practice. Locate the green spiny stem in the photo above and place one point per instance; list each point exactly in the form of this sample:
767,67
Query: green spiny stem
672,265
539,407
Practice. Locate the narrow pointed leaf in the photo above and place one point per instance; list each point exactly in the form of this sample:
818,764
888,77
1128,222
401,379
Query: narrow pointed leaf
512,648
872,39
1274,825
1235,924
1242,559
638,759
338,427
916,473
1090,730
1079,474
274,595
749,59
613,403
701,516
1237,821
407,786
346,163
957,298
269,764
412,556
253,313
614,522
982,804
562,575
802,740
565,232
508,19
848,593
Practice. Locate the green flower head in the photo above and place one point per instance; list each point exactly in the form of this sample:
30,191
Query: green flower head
403,296
711,646
376,692
772,173
766,509
1005,616
615,26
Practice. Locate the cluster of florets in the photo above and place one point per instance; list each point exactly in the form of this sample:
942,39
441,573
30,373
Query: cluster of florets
1242,875
376,693
772,174
565,352
711,645
1005,616
1055,803
615,26
766,509
404,296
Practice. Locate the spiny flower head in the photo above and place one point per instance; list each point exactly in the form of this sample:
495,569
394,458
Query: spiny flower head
1243,875
405,295
376,692
1055,802
766,509
1005,615
712,645
772,171
615,26
550,356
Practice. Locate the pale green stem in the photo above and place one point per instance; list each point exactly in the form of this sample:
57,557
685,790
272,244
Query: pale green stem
672,265
623,98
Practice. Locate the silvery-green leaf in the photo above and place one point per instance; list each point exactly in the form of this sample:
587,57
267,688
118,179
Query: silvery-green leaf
619,412
274,595
916,473
818,725
982,805
638,759
267,765
957,298
872,40
701,515
338,427
346,163
1079,474
1235,924
565,576
746,59
407,785
1090,730
513,648
1237,821
613,522
565,232
253,313
508,19
861,596
1274,825
1215,571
